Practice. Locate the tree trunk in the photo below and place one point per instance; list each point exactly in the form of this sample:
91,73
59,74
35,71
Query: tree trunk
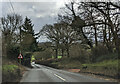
86,39
95,29
68,53
56,53
56,50
116,39
62,52
114,32
96,42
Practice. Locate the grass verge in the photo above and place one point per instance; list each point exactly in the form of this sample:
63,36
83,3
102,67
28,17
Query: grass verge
11,71
108,68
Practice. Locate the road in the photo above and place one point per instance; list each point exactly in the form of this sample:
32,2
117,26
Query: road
42,73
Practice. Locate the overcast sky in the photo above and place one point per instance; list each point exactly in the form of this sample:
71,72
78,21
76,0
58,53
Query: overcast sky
41,13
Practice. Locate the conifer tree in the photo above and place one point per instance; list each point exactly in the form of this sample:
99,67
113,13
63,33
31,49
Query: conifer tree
28,37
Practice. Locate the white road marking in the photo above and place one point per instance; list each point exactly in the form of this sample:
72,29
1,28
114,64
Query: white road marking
60,77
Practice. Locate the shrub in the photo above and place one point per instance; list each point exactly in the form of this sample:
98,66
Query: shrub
10,73
13,52
27,59
98,51
78,53
47,53
107,57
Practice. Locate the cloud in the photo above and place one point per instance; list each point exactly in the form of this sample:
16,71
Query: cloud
40,13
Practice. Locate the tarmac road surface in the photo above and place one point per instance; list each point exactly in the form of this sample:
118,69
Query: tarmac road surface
42,73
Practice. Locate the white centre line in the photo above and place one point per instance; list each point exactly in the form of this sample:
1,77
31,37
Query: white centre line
60,77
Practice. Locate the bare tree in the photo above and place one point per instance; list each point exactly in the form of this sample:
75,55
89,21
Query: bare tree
53,35
10,30
62,36
111,15
77,23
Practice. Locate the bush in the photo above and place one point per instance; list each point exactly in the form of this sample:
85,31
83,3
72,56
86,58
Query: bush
107,57
27,59
98,51
78,53
47,53
13,52
10,73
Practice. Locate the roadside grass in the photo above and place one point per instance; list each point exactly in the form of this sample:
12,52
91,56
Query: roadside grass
59,57
109,68
10,68
106,67
11,71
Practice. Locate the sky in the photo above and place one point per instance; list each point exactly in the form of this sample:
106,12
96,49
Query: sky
41,12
